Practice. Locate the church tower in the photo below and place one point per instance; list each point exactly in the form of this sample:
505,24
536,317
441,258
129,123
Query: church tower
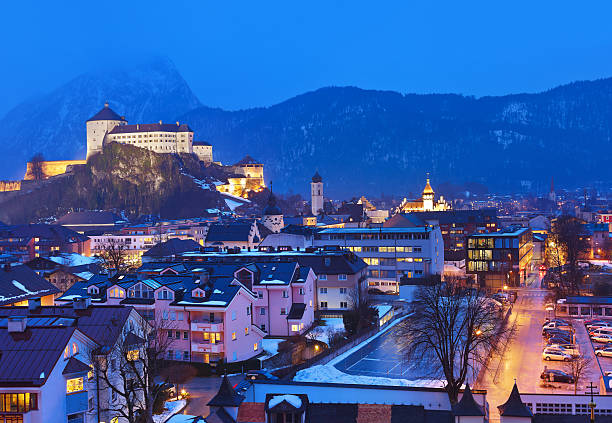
272,215
428,197
98,126
316,194
551,194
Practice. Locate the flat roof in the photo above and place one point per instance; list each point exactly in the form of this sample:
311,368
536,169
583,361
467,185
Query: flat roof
420,229
502,233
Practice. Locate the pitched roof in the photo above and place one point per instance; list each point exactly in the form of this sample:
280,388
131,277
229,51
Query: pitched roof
233,231
428,189
151,127
514,407
297,311
226,396
56,233
272,208
316,177
247,160
172,247
20,283
106,114
75,365
467,406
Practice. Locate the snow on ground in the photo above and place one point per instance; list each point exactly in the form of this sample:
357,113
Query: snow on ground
382,309
172,407
232,205
181,418
332,324
199,182
328,373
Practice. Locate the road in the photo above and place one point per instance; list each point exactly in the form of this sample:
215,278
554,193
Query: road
522,360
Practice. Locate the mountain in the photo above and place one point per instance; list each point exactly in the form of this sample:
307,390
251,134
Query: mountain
54,124
365,141
124,177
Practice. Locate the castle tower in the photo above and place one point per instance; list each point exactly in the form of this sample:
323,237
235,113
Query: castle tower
428,196
316,194
272,215
98,126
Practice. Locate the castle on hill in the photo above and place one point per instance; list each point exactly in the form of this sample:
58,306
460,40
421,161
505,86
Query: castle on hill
106,126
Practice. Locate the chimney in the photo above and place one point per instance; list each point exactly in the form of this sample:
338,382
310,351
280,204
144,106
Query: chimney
17,324
33,304
81,303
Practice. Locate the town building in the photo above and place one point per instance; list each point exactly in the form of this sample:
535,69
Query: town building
273,216
208,310
455,226
242,233
394,255
246,176
425,203
96,221
34,240
19,284
63,270
45,366
500,259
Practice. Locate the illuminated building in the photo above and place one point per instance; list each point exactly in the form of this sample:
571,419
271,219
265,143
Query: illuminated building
425,203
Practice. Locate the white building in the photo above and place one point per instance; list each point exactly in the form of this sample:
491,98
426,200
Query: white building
107,126
392,254
272,217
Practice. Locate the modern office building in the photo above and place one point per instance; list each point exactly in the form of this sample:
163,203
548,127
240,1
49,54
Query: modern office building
500,259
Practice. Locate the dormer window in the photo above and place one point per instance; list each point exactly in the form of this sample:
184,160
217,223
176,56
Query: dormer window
93,290
165,294
116,292
198,293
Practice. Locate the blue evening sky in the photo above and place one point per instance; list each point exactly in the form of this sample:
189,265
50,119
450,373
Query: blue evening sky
237,54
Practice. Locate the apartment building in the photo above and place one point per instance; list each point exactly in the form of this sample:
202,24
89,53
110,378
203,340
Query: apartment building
393,255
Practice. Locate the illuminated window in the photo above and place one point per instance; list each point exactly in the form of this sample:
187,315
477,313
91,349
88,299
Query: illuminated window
295,328
255,346
74,385
75,348
133,355
116,293
246,331
233,336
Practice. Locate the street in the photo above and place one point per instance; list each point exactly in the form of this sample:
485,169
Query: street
522,361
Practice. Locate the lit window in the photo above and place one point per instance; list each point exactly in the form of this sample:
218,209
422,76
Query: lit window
133,355
233,336
75,348
255,346
246,331
295,328
74,385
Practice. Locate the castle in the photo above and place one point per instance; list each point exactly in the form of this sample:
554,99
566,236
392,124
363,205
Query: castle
107,126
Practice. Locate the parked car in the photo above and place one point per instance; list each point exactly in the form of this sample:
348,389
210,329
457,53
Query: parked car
603,352
558,325
600,331
551,333
594,321
571,349
558,340
556,354
602,338
599,325
552,375
556,319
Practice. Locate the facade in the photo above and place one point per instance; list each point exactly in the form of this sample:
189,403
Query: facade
393,255
106,126
455,225
45,373
133,246
35,240
500,259
425,203
316,194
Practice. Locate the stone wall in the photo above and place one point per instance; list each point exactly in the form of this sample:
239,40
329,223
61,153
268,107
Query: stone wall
52,168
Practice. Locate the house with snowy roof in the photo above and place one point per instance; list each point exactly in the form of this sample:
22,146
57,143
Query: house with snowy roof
45,371
19,283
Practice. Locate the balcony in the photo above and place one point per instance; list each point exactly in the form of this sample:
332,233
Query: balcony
76,403
207,347
199,325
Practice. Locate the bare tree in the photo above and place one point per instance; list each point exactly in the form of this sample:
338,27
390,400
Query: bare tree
456,327
578,368
566,245
114,257
37,171
360,316
129,369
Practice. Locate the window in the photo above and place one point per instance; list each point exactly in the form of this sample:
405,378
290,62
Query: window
18,403
74,385
234,315
263,327
285,294
323,304
178,334
248,310
173,315
133,355
116,293
323,290
295,328
283,311
246,331
235,356
262,311
170,353
165,315
186,355
255,346
343,290
343,304
301,291
185,335
180,315
260,294
322,277
233,336
169,334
